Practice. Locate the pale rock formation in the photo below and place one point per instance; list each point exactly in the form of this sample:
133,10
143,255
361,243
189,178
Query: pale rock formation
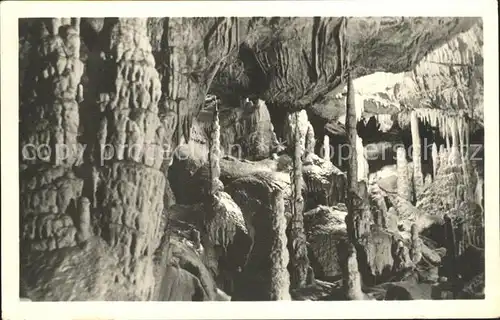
404,184
352,278
418,179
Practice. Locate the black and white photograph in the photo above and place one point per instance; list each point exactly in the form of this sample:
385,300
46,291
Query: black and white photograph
251,158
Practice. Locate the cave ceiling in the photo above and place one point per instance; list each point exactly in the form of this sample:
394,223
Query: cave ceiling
294,63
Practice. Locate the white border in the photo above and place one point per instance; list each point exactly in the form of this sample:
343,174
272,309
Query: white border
13,309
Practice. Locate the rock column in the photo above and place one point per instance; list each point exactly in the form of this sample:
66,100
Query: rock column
418,179
49,125
358,218
214,154
280,278
298,245
131,137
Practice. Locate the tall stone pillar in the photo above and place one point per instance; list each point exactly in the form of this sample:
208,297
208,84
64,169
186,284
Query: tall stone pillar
49,126
131,140
418,179
298,243
280,278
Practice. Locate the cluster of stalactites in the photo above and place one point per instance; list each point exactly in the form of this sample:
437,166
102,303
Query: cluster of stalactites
454,128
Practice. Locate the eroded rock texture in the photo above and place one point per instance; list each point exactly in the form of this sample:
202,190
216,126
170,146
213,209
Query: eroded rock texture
53,214
105,102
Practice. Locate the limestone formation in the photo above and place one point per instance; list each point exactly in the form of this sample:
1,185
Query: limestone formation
352,171
131,186
310,142
326,148
404,183
298,243
141,178
352,278
418,179
435,160
416,245
359,218
49,128
254,196
280,278
326,233
214,154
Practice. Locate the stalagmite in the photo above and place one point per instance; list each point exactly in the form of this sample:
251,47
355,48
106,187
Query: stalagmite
403,182
455,157
402,258
417,161
362,162
131,201
280,278
435,160
352,277
49,195
416,245
310,140
326,148
214,154
298,248
467,138
84,226
451,249
358,218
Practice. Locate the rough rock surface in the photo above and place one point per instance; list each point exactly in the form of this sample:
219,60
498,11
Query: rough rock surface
326,231
136,85
255,198
246,131
185,277
447,79
86,272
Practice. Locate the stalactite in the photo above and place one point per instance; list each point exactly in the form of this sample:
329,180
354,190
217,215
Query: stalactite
435,160
461,138
280,278
403,181
299,259
443,159
455,158
434,117
417,161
